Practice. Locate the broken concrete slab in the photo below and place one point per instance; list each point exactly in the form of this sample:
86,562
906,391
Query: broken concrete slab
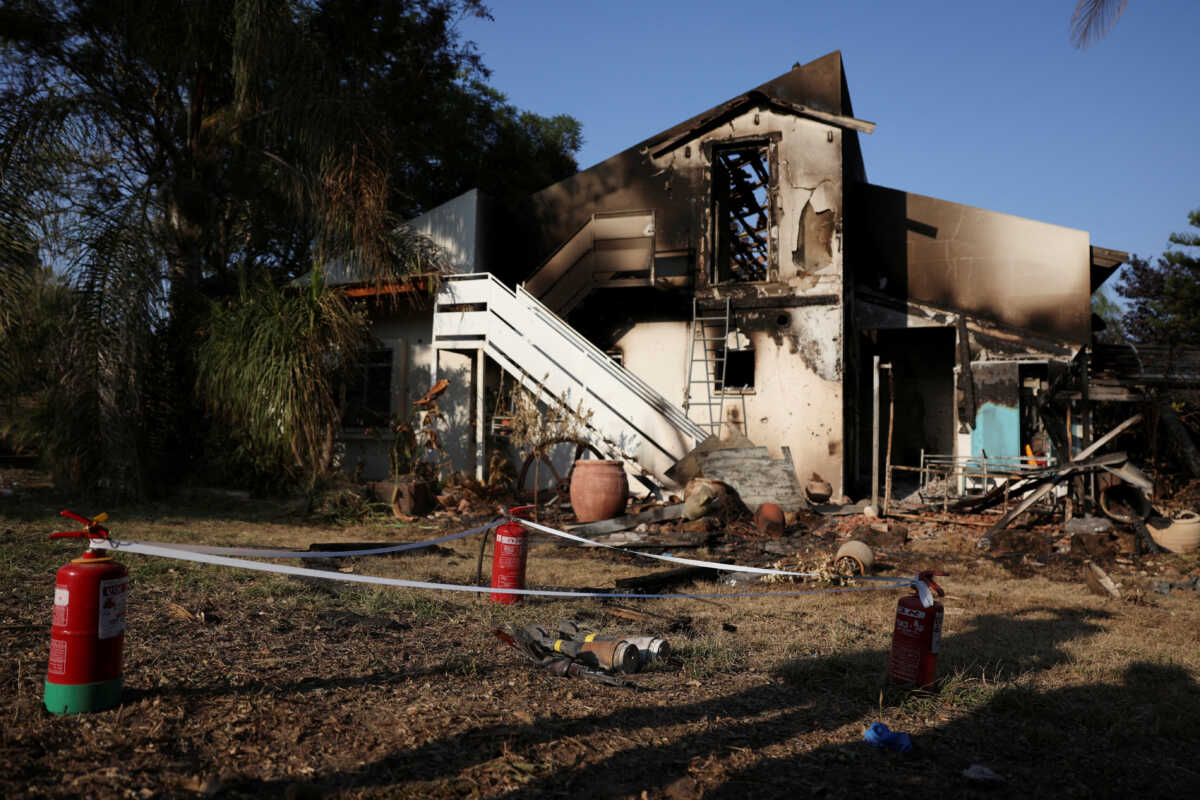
753,474
689,466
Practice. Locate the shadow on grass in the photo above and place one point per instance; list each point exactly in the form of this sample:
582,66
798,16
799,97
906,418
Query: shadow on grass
1016,729
36,504
1134,737
457,666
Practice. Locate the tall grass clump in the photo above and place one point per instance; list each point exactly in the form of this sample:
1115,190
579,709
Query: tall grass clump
271,366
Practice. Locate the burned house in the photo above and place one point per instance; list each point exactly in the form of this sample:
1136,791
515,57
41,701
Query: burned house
738,271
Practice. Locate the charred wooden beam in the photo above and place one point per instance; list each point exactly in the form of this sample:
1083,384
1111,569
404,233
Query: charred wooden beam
657,581
966,414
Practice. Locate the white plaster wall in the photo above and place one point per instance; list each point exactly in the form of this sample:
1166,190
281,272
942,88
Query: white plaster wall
454,226
656,353
408,337
792,406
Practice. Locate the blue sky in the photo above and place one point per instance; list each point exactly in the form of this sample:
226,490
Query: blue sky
987,104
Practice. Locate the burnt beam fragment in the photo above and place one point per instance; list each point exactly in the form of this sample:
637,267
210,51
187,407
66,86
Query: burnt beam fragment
966,383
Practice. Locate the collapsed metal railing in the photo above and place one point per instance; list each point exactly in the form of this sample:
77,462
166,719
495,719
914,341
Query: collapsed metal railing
950,479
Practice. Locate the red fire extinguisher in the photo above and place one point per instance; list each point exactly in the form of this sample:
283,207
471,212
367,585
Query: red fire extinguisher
917,637
88,630
508,558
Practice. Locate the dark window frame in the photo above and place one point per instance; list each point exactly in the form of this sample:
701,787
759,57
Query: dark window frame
367,399
739,377
744,209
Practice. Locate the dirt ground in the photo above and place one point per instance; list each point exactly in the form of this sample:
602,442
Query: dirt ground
241,684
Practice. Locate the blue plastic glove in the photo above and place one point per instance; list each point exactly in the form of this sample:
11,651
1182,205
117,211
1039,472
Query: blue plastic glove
878,735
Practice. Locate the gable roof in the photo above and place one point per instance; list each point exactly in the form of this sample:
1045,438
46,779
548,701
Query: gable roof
817,90
630,180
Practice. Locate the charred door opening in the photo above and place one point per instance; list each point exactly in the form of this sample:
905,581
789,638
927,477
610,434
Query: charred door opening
1035,383
743,191
922,362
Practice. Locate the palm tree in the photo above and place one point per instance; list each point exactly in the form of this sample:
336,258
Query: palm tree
160,155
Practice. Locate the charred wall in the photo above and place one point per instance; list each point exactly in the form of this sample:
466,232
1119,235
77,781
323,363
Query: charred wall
1016,271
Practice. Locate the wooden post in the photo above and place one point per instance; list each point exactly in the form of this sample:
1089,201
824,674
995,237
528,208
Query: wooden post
480,417
875,433
887,475
1084,395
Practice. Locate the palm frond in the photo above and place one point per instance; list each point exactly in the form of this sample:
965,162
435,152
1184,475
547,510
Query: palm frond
1093,19
270,367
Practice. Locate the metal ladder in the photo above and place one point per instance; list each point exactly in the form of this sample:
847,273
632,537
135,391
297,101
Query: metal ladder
714,365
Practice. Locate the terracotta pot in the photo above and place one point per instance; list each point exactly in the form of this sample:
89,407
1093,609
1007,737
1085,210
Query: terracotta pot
859,554
769,519
1180,535
818,491
598,490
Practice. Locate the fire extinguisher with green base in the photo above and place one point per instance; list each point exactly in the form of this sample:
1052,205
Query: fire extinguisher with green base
88,631
917,637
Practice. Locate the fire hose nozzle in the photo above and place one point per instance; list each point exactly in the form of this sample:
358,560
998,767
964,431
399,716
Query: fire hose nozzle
92,528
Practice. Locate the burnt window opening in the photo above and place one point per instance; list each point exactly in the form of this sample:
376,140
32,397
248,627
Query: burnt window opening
739,371
742,188
369,391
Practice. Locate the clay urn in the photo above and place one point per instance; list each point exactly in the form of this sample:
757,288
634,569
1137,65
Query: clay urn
818,491
1178,535
769,519
598,490
857,555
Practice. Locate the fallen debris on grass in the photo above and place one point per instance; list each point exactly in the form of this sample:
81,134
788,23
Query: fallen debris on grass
879,735
1099,582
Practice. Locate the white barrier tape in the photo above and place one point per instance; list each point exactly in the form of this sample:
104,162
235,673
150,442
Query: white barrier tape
255,552
923,590
693,561
225,561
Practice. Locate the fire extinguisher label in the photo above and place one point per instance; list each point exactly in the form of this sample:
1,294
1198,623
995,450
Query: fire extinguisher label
112,607
58,656
62,599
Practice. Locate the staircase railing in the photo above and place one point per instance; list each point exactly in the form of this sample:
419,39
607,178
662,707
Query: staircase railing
630,419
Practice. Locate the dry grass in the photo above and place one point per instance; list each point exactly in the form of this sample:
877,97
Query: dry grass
285,689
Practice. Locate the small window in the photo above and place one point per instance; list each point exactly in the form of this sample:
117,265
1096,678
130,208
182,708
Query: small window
369,391
739,371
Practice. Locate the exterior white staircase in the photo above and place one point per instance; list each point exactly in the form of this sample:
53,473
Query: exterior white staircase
630,420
